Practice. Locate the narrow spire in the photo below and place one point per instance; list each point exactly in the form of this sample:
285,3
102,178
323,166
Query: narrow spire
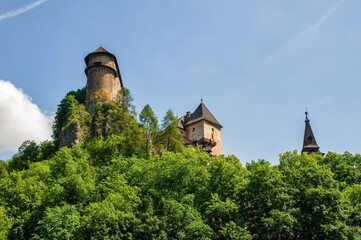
309,140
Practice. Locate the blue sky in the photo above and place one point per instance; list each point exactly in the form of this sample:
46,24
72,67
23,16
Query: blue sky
256,64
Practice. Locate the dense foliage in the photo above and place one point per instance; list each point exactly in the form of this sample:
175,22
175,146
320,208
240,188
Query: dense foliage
91,192
113,186
66,109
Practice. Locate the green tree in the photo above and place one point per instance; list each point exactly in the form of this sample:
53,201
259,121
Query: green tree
23,193
127,101
280,224
180,220
3,169
169,138
148,119
316,196
149,122
228,177
345,167
232,231
104,151
111,119
265,195
112,218
30,152
66,108
352,197
5,223
72,172
220,216
60,222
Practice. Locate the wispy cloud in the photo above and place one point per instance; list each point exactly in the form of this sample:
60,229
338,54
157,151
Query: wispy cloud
324,17
303,36
21,10
309,31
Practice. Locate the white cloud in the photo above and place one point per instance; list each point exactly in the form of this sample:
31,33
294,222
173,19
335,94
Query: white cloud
20,119
21,10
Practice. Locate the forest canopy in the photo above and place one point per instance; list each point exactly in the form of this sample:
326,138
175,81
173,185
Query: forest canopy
134,180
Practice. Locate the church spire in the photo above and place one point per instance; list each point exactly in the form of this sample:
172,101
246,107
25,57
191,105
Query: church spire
309,141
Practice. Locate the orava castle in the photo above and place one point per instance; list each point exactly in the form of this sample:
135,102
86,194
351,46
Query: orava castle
199,128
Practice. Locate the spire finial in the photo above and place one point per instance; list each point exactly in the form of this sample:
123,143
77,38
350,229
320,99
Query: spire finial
201,99
306,113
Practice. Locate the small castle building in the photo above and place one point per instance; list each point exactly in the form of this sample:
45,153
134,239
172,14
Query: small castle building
201,128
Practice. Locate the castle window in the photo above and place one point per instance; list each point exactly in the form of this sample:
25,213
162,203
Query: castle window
194,129
97,63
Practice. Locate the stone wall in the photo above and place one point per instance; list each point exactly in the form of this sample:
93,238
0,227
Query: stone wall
101,84
216,150
197,133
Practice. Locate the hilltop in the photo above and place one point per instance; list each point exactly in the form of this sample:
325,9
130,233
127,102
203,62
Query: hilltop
130,180
108,175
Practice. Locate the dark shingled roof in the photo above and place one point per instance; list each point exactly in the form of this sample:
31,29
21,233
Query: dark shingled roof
181,122
100,50
202,113
309,140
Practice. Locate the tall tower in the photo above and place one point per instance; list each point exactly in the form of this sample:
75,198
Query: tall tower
309,140
103,77
201,128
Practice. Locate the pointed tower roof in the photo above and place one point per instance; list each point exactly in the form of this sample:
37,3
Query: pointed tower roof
202,113
309,140
100,50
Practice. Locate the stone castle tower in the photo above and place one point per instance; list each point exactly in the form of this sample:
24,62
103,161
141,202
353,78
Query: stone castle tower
201,128
104,81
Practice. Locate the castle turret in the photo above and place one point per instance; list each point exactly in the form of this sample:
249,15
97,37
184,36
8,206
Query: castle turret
309,140
201,128
104,81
